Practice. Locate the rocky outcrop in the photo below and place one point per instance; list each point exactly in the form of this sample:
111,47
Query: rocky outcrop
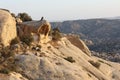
12,76
66,59
79,43
50,63
61,61
7,27
39,29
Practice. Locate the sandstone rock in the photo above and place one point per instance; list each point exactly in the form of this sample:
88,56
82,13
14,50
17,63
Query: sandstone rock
39,30
12,76
53,66
79,43
7,27
18,20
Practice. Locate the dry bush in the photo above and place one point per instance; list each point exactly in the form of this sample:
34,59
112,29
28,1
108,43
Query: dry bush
7,60
24,17
15,41
95,64
70,59
27,39
56,35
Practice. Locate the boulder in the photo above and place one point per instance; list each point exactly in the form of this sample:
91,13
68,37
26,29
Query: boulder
38,29
7,27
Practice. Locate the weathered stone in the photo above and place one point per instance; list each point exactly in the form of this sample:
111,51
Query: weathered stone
7,27
53,66
12,76
38,29
79,43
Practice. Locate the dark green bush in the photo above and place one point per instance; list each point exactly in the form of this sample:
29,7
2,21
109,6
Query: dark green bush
70,59
95,64
27,39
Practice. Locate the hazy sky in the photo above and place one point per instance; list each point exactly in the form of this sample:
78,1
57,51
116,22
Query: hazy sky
59,10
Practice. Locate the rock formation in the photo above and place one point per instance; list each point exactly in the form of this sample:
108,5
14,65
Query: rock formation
79,43
40,29
12,76
66,59
7,27
50,64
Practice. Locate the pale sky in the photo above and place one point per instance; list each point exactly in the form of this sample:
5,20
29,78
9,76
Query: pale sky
60,10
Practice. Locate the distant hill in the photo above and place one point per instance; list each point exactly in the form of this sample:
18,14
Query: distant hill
105,33
118,17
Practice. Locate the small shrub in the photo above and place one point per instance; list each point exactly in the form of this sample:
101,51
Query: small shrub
27,39
4,71
24,17
70,59
15,41
49,47
89,75
95,64
56,35
7,60
104,62
6,52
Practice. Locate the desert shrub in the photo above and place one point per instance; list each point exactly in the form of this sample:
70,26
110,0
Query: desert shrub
27,39
49,47
104,62
15,41
89,74
56,35
13,15
6,52
4,71
7,60
24,17
95,64
70,59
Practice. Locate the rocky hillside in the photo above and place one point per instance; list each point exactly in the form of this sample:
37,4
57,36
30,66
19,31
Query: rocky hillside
61,61
61,58
103,32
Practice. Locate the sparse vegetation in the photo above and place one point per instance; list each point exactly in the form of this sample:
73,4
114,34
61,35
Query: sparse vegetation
4,71
95,64
104,62
13,15
27,39
89,74
7,60
49,47
24,17
15,41
56,35
70,59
